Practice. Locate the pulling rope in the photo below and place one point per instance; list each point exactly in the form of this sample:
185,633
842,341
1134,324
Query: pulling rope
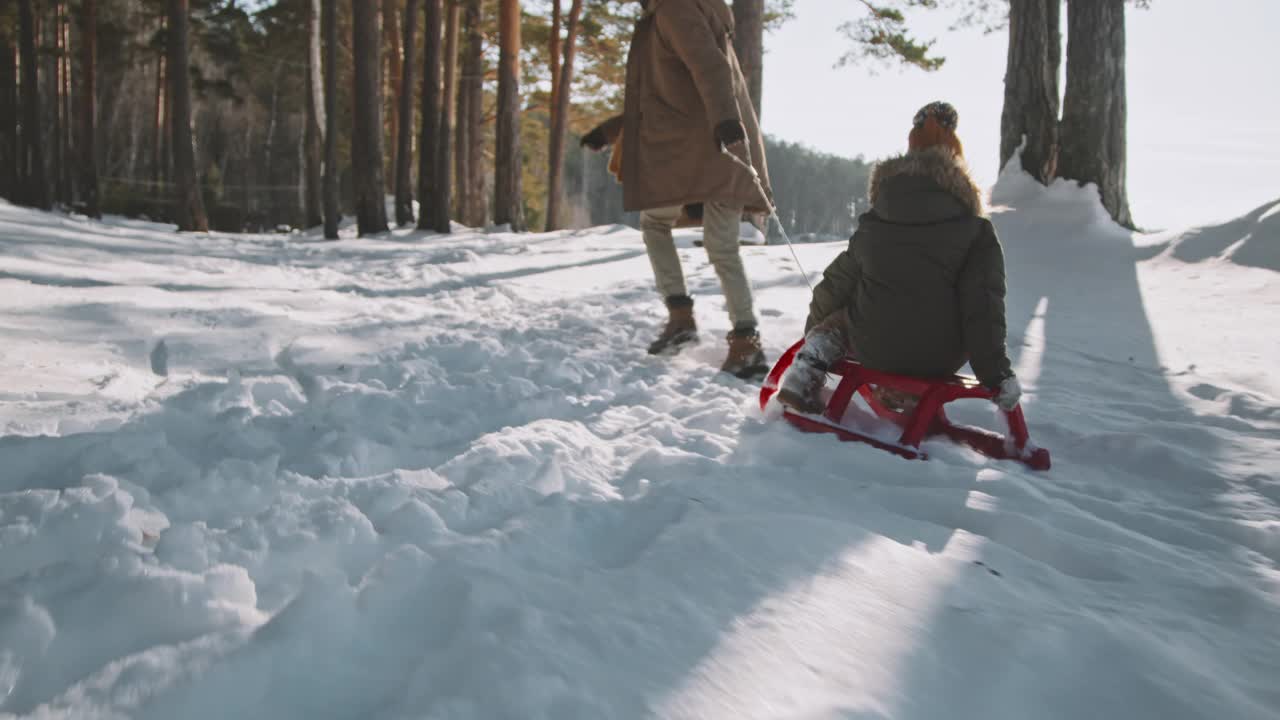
773,210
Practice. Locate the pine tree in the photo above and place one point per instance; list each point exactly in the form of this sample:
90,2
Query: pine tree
367,128
1031,86
57,115
472,88
32,175
748,45
559,119
429,140
392,84
8,116
159,166
89,107
332,206
189,208
461,131
1094,107
313,191
404,135
66,99
444,176
508,205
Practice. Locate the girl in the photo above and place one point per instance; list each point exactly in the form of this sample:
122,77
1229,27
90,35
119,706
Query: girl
920,289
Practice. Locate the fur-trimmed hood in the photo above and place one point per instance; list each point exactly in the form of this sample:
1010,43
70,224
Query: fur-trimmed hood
925,186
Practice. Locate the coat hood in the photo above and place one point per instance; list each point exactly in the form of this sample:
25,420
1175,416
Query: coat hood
924,187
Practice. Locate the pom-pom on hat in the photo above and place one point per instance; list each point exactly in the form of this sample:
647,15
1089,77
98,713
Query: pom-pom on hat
935,124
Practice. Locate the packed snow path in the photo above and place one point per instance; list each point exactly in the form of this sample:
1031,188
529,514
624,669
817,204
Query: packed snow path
421,476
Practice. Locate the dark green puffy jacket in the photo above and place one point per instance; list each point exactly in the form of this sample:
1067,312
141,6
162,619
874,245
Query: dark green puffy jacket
923,278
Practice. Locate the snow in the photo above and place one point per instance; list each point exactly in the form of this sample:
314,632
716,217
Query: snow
1252,240
425,476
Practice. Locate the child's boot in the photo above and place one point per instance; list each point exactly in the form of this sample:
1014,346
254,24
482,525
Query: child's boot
803,383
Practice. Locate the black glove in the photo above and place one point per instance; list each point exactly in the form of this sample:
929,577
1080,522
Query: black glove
596,139
730,133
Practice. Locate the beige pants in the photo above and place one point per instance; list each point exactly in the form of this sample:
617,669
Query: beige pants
720,238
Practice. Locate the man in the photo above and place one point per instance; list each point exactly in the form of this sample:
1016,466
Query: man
686,102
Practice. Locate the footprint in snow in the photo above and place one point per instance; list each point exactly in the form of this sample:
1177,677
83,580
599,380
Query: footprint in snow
635,528
160,359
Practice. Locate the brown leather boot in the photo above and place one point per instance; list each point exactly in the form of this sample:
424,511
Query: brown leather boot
680,330
746,356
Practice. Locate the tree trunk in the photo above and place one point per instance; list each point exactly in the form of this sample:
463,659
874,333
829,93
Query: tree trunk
404,134
554,52
161,122
313,151
508,205
8,116
366,145
53,37
748,45
158,122
272,114
1031,87
560,121
168,113
332,207
1094,112
473,88
393,82
429,141
89,108
68,103
35,188
190,205
461,141
328,43
444,161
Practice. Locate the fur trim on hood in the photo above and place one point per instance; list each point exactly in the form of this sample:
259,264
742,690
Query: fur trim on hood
939,164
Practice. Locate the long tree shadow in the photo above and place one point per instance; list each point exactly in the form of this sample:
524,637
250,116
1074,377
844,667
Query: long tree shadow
1084,345
1259,229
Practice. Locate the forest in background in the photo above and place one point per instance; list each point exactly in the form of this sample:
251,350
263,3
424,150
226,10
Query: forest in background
250,77
255,115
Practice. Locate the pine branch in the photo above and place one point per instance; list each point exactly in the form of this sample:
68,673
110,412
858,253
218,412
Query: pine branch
882,36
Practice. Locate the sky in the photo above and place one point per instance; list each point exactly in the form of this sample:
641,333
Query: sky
1204,109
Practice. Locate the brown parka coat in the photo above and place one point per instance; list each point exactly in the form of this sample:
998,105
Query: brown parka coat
923,279
683,79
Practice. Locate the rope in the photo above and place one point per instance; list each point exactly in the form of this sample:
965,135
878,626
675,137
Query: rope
773,210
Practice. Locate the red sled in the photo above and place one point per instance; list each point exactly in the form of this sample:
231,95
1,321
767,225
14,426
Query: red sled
927,420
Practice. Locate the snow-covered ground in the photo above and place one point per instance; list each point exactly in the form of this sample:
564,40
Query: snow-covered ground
422,476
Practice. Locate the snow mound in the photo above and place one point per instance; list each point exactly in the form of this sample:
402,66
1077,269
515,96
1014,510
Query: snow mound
1064,205
1252,240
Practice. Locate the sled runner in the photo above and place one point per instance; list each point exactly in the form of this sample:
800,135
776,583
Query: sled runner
926,420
